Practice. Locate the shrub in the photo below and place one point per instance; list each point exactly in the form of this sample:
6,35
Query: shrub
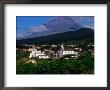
59,66
21,54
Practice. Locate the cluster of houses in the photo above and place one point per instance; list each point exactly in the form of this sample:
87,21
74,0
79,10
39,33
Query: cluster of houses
73,50
35,52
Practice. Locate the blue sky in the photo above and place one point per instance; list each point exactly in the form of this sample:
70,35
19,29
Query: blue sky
26,24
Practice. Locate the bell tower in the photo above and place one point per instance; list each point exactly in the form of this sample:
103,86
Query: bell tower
61,51
62,47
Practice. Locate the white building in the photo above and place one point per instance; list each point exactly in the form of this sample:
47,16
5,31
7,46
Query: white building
39,54
43,57
64,51
30,49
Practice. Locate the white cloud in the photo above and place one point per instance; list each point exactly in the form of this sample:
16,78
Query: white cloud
32,31
38,29
86,21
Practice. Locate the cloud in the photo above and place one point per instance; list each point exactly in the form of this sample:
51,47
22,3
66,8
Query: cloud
32,31
86,21
19,35
40,28
89,26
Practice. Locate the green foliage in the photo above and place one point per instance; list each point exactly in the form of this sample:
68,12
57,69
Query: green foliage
85,65
21,54
88,63
25,68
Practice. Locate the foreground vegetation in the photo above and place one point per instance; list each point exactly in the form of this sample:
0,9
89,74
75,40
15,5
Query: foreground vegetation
82,65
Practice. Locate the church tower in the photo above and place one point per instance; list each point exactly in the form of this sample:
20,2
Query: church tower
62,47
61,51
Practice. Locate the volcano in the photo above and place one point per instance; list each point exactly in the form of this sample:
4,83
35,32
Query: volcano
58,24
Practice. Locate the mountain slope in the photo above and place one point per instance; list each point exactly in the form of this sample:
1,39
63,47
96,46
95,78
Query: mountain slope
60,37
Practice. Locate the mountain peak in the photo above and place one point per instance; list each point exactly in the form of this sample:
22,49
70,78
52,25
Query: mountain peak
62,22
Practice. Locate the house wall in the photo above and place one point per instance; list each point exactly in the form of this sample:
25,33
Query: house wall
68,52
38,54
35,53
44,57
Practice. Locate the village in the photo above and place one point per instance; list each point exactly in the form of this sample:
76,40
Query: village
56,51
55,45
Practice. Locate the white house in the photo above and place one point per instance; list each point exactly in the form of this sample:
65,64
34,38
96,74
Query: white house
30,49
43,57
66,51
39,54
